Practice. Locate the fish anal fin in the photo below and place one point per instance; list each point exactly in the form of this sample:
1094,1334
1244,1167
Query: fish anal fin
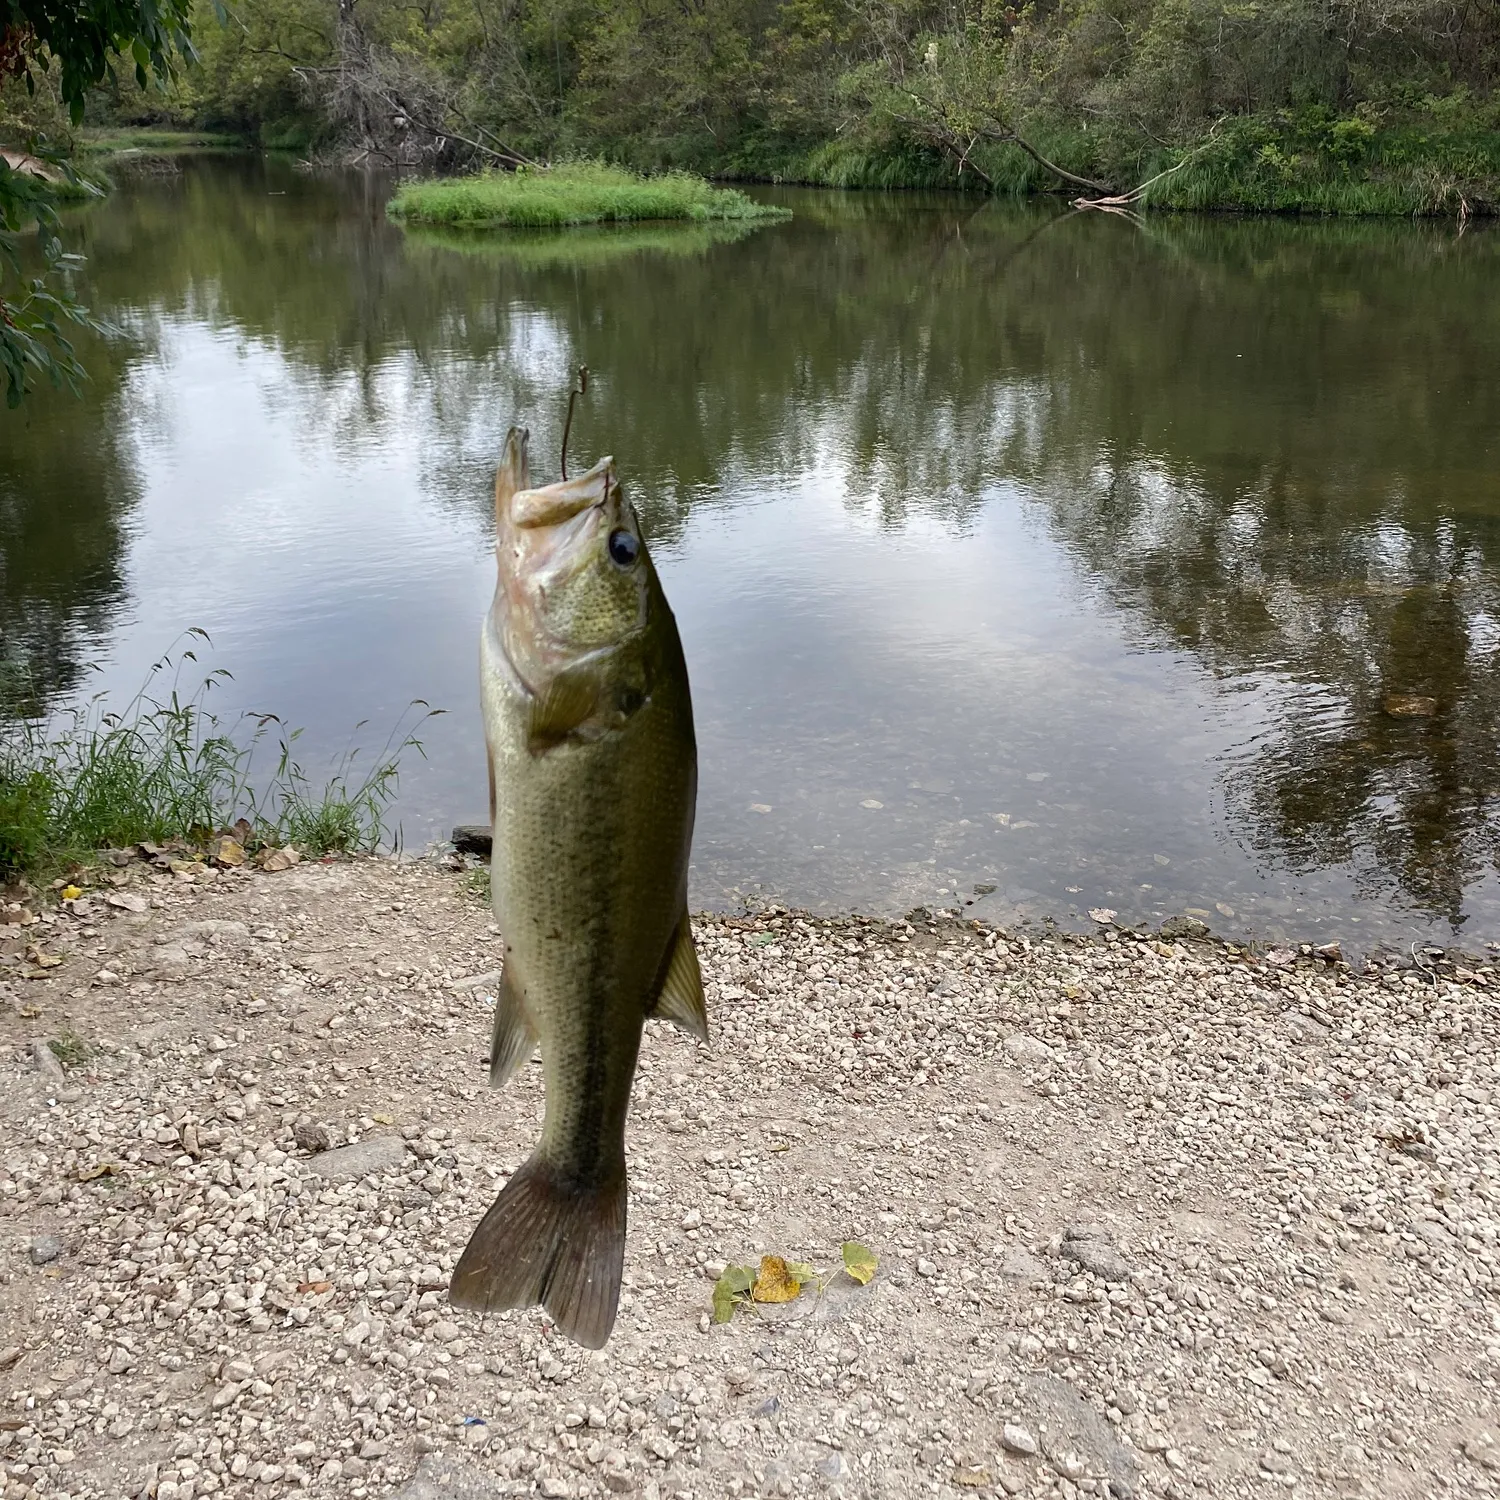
564,706
514,473
680,998
514,1036
550,1240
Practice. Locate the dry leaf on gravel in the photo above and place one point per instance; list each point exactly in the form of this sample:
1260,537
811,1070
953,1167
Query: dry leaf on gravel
776,1282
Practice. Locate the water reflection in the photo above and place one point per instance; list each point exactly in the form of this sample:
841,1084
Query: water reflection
1142,567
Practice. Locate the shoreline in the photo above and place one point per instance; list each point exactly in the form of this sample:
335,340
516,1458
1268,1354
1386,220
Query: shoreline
1151,1219
827,166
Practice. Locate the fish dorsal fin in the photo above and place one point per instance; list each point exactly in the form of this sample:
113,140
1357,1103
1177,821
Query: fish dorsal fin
680,999
514,473
567,702
514,1036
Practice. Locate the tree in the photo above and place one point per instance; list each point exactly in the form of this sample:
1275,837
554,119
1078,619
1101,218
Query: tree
82,39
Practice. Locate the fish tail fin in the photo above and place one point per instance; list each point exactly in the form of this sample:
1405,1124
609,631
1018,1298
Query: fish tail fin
550,1240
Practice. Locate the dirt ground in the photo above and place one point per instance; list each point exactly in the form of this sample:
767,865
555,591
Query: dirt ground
1153,1218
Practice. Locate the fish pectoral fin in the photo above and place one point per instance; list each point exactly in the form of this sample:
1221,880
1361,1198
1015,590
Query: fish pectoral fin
551,1240
570,700
680,999
514,1036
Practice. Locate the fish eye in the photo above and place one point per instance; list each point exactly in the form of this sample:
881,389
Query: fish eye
624,548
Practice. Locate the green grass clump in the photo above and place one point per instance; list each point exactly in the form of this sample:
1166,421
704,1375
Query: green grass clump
165,767
70,1049
573,193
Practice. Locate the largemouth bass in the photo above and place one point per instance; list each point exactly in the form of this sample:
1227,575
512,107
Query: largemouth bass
593,776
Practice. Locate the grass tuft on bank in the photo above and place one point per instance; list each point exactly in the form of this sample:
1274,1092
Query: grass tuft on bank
570,194
165,768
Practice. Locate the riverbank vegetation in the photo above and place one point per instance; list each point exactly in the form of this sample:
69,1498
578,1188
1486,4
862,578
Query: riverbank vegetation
165,768
571,193
1323,105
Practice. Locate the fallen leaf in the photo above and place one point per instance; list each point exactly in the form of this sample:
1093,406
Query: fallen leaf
859,1261
776,1283
71,892
1102,914
730,1289
314,1288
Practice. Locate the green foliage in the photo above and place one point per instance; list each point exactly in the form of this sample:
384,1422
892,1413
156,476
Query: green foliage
574,193
1324,105
82,39
85,38
166,767
35,309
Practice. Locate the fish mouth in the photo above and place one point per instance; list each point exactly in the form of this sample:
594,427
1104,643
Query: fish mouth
553,504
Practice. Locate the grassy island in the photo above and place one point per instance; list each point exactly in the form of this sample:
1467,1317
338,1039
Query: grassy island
574,193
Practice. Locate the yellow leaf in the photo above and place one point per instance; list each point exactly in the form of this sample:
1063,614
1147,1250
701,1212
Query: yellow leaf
775,1282
71,892
859,1262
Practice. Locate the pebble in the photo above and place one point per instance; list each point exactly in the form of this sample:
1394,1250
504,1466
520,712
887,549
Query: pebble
45,1061
45,1248
1027,1049
1016,1439
374,1154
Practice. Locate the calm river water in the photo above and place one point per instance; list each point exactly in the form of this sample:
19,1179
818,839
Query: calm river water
1046,561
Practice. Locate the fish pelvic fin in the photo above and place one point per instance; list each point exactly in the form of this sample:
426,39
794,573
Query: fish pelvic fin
680,998
550,1240
514,473
514,1036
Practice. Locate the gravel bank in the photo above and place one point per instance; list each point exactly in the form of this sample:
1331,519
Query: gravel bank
1152,1220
